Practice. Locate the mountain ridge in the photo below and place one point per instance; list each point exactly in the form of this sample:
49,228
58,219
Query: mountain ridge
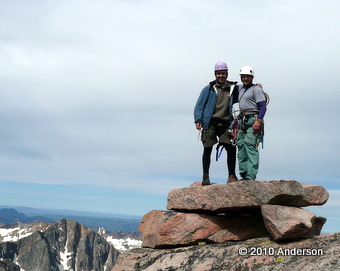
129,224
31,211
9,215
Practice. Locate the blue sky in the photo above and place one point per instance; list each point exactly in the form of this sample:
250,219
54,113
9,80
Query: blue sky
97,99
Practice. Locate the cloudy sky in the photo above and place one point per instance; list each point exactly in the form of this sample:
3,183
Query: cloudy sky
97,97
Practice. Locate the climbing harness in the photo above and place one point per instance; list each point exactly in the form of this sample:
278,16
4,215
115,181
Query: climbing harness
241,123
233,129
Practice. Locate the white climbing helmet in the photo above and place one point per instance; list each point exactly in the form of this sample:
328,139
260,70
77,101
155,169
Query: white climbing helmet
247,70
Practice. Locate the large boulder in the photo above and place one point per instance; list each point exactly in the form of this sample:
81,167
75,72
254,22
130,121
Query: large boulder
243,195
285,222
173,229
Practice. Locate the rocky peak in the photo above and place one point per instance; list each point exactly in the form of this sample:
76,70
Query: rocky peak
64,245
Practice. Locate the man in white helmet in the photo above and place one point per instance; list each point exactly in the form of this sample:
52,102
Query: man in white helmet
213,115
252,103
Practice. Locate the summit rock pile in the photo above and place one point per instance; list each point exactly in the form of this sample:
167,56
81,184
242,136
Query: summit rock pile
246,225
232,212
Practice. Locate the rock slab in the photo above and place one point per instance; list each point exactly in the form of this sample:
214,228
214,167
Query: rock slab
240,195
174,229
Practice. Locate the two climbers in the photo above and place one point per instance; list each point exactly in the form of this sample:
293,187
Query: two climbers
213,117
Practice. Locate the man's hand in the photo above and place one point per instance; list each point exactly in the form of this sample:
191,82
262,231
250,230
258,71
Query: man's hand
257,126
259,85
199,126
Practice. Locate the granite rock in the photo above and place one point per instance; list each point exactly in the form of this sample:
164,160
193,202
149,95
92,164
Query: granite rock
286,222
174,229
259,254
244,195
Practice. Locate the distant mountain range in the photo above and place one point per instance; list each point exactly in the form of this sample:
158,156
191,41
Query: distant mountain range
10,215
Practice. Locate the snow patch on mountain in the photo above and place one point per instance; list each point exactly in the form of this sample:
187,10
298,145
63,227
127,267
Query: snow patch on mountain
123,244
64,257
13,234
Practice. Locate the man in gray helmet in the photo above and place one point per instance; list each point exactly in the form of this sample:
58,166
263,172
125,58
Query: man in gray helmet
213,115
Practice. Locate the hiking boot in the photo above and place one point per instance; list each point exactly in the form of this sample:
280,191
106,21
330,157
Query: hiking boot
244,176
232,179
205,180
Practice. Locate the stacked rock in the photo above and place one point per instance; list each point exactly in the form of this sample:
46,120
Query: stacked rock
237,211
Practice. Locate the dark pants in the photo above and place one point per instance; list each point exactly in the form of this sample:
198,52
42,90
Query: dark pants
231,158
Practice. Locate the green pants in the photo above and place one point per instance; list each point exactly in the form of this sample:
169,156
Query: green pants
248,154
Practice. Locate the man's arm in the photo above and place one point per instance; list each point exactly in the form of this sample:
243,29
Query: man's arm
258,122
199,108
